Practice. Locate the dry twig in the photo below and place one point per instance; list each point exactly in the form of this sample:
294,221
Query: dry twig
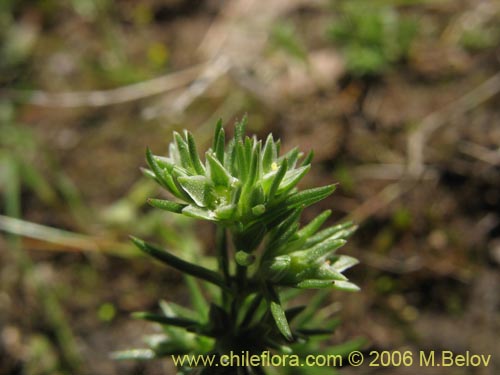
99,98
418,138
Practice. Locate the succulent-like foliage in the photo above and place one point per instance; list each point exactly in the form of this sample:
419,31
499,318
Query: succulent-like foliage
250,192
237,184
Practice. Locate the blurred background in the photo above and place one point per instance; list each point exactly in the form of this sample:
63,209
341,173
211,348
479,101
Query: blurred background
399,99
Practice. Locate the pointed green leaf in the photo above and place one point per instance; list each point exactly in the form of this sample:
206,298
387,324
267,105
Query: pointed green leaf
236,194
174,310
157,170
225,212
174,188
170,346
166,205
284,232
254,311
267,179
240,129
230,157
218,174
339,231
178,322
221,143
254,164
291,157
163,162
181,265
330,324
198,302
242,167
323,248
198,188
173,153
346,286
149,173
193,153
248,238
292,178
199,213
307,197
278,313
248,145
163,176
321,272
276,268
313,306
274,215
218,128
183,150
315,284
342,262
187,324
257,195
278,178
269,154
308,159
314,225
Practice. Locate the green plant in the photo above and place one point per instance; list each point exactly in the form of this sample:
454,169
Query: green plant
284,37
19,149
372,35
262,254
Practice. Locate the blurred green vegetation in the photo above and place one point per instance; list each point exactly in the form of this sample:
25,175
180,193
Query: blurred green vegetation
285,37
68,276
373,35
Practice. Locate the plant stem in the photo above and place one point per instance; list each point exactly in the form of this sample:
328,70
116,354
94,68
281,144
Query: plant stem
223,261
222,256
241,277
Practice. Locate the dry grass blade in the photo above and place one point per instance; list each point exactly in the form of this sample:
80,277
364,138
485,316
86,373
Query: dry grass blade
418,138
99,98
53,239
